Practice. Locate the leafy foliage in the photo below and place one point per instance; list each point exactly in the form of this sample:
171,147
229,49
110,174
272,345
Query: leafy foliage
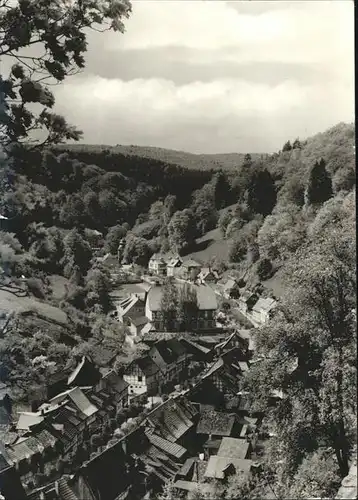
58,29
319,188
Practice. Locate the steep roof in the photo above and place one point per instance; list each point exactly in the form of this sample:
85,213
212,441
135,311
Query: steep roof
191,263
217,423
172,419
217,465
169,447
28,419
147,366
141,321
229,285
169,351
264,305
233,448
206,297
116,382
78,398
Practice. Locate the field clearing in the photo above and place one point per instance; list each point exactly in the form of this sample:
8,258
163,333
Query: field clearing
10,302
210,246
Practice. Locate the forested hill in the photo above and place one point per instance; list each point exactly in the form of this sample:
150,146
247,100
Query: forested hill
225,161
331,144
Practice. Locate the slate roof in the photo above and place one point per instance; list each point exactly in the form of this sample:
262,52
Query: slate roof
264,305
168,447
128,303
217,423
191,263
217,465
31,445
28,419
116,382
233,448
141,321
80,400
169,351
172,419
205,295
147,366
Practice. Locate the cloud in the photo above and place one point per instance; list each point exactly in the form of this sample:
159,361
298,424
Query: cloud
231,114
215,76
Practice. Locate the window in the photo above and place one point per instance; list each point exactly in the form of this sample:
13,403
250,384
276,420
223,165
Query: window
140,378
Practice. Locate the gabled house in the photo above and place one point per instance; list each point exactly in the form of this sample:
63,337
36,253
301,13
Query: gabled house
234,341
10,484
171,357
226,372
114,385
207,275
143,376
262,310
157,265
85,374
173,265
130,308
231,458
136,325
174,420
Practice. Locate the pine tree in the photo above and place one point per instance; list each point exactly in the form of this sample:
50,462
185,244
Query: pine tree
319,187
287,146
261,193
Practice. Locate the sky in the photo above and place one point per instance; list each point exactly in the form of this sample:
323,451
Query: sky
216,76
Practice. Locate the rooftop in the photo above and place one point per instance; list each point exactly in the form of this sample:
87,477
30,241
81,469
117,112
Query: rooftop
205,295
233,448
217,423
264,305
217,466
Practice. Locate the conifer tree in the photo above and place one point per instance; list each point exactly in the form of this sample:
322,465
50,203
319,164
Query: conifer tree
261,193
319,187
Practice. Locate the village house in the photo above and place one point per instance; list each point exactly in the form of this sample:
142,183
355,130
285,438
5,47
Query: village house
71,414
207,306
173,265
157,265
213,426
35,453
85,374
136,327
116,387
130,308
232,458
174,420
233,341
190,270
207,276
143,376
10,484
171,357
262,310
226,372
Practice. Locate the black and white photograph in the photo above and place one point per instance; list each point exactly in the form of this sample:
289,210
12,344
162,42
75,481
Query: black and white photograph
178,250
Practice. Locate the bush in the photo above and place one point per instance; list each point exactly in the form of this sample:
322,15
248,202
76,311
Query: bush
264,269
